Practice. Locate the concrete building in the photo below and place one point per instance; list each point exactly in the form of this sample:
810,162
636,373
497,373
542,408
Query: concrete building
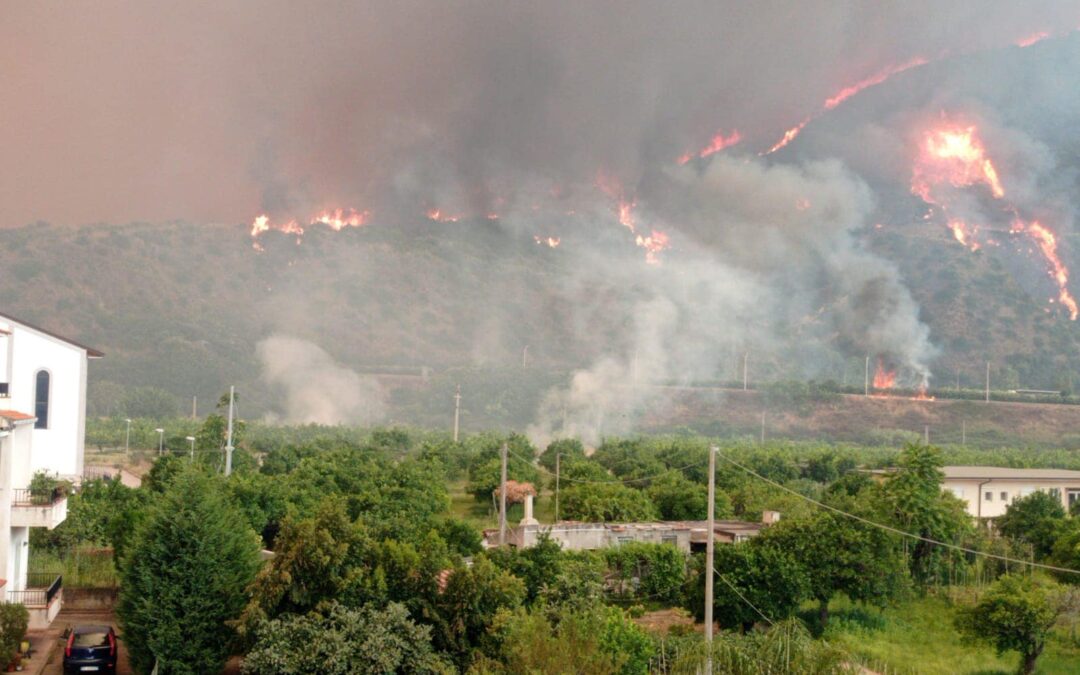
42,428
988,490
688,535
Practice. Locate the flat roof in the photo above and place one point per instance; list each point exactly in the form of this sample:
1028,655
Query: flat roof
90,351
960,472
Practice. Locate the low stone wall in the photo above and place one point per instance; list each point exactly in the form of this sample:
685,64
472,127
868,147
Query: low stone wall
89,599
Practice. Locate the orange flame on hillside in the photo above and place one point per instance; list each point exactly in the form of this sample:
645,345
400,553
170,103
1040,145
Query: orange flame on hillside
718,143
883,377
655,242
964,233
438,216
875,79
788,137
955,155
1032,39
550,242
339,219
1047,242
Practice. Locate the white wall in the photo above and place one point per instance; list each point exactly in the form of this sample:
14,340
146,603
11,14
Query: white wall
59,448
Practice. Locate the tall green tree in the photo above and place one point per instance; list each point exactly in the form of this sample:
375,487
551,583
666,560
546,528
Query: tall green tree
185,576
606,502
1017,613
754,583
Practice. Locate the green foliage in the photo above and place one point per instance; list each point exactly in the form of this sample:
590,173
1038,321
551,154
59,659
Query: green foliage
751,581
786,647
1017,613
594,639
606,503
538,566
189,563
841,555
468,607
653,571
486,471
1036,520
677,498
568,449
14,620
336,640
920,507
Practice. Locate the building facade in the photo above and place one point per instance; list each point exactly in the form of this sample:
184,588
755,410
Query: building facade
988,490
42,428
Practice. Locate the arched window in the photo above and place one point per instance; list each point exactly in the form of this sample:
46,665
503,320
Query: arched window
41,399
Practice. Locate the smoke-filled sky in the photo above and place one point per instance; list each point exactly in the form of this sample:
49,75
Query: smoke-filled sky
211,111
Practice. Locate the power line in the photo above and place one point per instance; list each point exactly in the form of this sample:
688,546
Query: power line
894,530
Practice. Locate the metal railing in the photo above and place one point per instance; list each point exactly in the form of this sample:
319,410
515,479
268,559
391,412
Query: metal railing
28,497
41,588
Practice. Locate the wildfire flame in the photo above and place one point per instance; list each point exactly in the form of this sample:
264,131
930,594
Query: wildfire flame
883,377
550,242
955,155
339,219
789,136
439,216
1032,39
718,143
655,242
875,79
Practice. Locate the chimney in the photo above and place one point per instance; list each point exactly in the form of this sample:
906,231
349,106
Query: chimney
528,519
770,517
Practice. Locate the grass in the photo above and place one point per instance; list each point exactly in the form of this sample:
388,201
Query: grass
918,636
482,515
82,567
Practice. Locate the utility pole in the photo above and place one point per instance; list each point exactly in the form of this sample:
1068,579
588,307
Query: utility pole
127,439
926,434
558,456
745,358
502,499
866,377
191,439
763,427
228,433
987,381
194,407
457,411
963,432
709,572
160,441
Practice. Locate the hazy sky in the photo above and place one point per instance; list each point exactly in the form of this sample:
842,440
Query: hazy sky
212,111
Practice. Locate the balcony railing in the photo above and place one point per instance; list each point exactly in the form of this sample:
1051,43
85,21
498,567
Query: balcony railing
28,497
41,588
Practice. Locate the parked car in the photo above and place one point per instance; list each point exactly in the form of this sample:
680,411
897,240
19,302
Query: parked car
90,649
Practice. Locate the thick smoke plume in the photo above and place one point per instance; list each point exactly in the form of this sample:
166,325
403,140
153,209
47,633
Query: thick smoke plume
316,389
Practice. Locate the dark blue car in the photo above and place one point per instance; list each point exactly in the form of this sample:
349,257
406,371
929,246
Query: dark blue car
90,649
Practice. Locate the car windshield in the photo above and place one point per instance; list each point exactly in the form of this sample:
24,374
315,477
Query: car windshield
91,639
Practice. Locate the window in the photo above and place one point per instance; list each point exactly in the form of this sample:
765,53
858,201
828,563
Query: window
672,539
41,399
1004,496
989,496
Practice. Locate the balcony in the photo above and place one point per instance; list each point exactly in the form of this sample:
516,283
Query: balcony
42,597
34,509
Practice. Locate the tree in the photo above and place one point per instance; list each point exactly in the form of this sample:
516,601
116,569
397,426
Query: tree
840,555
1017,613
606,502
752,580
336,640
189,563
468,606
538,566
677,498
567,448
919,506
1035,520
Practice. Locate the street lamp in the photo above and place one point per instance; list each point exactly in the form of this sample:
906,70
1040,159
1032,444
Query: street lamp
160,441
127,439
192,439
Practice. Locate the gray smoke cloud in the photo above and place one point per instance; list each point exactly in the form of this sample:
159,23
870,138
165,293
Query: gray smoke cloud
315,389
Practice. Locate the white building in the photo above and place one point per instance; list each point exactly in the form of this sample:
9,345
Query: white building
988,490
42,428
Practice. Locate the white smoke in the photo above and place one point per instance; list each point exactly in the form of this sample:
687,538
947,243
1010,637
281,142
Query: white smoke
318,390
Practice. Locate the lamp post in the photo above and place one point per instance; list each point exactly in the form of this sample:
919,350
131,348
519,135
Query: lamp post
191,439
160,441
127,439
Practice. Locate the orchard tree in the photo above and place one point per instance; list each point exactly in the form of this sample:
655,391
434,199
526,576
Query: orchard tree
1017,613
606,503
1036,520
185,576
841,555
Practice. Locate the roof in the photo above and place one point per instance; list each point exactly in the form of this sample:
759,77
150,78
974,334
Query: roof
15,415
90,351
991,472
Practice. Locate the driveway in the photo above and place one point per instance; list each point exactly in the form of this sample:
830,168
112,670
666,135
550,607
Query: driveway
54,665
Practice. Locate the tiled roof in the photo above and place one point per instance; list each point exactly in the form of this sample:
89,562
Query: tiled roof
15,415
959,472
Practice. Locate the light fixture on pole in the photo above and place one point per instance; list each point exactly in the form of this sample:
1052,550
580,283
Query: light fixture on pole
127,438
191,439
160,441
